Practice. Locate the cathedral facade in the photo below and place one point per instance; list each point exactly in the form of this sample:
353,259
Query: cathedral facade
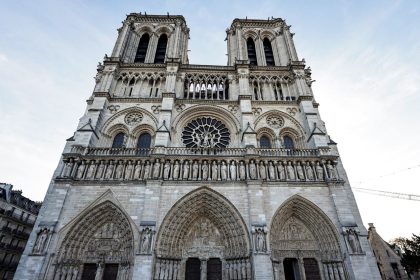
182,171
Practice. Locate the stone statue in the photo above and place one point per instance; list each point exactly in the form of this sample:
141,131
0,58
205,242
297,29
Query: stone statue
146,174
91,170
186,172
68,168
119,170
271,171
156,169
100,170
166,170
299,171
80,170
242,171
128,171
331,171
137,170
260,240
319,171
109,170
214,171
41,241
353,240
232,170
280,171
99,271
204,170
309,171
252,170
290,171
145,241
175,173
263,172
223,171
195,170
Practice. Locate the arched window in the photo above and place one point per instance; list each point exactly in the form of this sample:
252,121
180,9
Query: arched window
145,139
265,142
252,55
288,142
268,50
142,48
161,49
119,140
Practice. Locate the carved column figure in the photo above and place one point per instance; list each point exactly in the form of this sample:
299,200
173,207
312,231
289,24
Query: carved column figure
309,171
119,170
259,236
352,239
281,171
214,171
109,170
99,271
128,174
166,170
271,171
80,170
290,171
204,170
299,171
242,171
146,171
223,171
100,171
319,171
68,167
186,171
195,170
232,170
137,170
175,173
156,169
90,174
331,170
263,171
252,170
41,241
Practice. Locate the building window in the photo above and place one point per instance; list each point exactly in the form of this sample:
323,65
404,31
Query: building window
268,50
288,142
252,55
144,141
161,49
265,142
142,48
119,140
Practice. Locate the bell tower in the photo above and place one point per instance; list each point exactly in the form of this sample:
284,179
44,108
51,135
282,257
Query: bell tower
260,42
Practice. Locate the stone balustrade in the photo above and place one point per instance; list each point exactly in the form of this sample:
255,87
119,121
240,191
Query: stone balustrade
162,163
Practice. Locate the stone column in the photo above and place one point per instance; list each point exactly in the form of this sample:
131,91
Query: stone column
99,271
203,269
301,268
122,37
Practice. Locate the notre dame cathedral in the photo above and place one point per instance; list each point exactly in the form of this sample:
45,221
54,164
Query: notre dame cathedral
185,171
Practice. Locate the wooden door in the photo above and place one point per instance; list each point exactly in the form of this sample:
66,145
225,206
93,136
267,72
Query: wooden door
214,269
192,271
89,271
110,271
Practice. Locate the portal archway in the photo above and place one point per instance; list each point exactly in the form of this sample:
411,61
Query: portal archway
203,225
99,242
304,241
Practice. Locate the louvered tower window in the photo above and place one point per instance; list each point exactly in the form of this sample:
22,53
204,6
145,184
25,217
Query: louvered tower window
268,50
252,55
161,49
142,49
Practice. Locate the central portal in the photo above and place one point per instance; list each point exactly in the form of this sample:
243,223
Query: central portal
195,271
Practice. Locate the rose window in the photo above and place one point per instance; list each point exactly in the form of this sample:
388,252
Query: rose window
206,132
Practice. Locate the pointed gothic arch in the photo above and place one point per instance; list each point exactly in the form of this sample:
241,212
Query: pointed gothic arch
202,224
302,231
101,235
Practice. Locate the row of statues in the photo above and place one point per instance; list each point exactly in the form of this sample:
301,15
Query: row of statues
166,269
214,170
75,270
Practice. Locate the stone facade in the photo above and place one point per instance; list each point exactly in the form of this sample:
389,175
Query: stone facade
181,171
387,256
17,218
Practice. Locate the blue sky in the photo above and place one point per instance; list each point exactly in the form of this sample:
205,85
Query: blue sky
365,57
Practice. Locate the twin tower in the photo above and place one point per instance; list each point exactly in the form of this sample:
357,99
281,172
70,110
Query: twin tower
182,171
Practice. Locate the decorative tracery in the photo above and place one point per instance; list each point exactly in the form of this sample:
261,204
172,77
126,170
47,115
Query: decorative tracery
206,132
